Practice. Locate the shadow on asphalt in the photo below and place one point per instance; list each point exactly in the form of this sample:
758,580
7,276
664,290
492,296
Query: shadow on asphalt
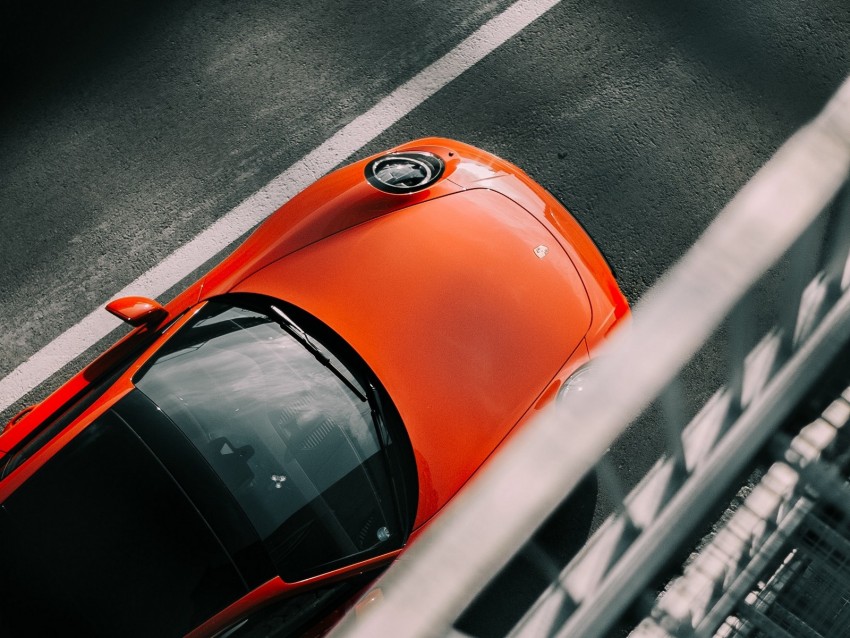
43,44
523,579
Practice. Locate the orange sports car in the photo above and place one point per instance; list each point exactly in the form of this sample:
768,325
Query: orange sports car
253,453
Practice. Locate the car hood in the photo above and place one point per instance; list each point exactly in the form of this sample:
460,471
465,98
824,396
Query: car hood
465,306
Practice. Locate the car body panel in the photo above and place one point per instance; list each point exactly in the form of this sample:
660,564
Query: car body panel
427,296
277,588
332,204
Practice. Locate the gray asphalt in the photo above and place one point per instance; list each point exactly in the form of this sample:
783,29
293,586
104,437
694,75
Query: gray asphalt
125,131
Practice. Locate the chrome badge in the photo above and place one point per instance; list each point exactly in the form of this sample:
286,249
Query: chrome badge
541,251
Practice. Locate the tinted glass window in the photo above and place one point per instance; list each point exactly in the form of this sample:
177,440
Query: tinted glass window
288,428
101,541
197,479
76,406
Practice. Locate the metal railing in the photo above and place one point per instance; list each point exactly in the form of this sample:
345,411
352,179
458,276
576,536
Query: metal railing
790,209
779,566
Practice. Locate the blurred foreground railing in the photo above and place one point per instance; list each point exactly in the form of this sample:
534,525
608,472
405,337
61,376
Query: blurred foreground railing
779,565
792,209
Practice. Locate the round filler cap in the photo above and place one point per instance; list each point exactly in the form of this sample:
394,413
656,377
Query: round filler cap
404,172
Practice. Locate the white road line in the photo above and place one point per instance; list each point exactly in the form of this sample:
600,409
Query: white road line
348,140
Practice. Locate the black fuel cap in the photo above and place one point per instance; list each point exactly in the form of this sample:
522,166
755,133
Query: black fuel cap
404,172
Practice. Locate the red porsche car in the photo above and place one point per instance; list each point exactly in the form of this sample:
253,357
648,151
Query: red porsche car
253,453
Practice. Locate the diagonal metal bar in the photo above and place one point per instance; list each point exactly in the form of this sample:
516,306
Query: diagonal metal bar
802,290
837,249
672,407
741,328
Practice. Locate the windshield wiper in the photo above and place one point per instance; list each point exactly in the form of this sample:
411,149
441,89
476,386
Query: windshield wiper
376,404
301,337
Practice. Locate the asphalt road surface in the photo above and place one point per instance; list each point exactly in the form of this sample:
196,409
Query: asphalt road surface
127,130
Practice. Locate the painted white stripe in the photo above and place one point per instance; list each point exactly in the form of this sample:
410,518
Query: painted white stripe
253,210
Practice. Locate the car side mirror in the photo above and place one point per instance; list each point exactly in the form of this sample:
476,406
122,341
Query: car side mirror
137,311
